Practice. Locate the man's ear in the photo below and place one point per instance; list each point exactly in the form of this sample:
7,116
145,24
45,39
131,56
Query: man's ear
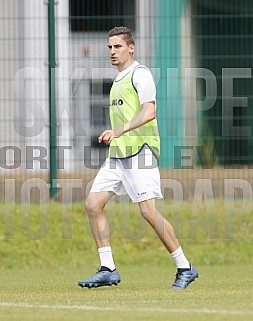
131,48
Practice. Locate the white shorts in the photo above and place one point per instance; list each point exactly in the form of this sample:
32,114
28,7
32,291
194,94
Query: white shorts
138,176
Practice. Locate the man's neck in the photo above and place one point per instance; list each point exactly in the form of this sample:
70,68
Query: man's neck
126,65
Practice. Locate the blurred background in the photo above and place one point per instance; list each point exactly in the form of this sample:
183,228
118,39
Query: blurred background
55,80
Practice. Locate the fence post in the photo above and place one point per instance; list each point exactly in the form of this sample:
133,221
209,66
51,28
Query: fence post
52,98
169,89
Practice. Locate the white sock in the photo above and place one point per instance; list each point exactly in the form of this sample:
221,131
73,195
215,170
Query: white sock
106,259
180,259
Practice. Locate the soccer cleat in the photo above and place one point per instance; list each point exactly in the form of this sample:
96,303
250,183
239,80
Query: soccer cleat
101,278
183,279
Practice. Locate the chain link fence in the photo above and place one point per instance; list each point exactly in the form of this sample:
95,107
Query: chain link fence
200,53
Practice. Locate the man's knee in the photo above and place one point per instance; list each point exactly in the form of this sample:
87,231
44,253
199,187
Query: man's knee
92,207
147,210
95,203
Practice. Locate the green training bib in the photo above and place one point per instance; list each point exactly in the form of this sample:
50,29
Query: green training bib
124,105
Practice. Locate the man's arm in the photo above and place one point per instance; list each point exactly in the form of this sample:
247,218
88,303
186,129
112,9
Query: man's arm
147,113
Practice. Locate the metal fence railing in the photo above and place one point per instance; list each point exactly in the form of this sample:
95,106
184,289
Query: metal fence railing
56,76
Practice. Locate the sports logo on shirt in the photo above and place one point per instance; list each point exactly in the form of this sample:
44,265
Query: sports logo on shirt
117,102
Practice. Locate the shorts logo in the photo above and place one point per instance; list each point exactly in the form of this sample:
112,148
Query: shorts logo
143,193
117,102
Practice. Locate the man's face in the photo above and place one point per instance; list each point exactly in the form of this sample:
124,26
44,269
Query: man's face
120,53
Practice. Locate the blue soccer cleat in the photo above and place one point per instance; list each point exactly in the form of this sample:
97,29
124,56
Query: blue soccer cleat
104,277
183,279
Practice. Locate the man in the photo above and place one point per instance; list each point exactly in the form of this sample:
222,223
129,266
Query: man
132,163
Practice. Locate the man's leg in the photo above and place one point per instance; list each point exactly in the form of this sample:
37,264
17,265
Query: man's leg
161,226
107,275
100,228
186,273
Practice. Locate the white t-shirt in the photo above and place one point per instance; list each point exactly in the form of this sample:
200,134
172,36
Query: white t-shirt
143,81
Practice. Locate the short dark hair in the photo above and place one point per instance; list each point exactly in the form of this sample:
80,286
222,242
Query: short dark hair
123,31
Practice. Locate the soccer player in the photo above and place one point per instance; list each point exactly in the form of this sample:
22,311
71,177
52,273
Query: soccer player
131,166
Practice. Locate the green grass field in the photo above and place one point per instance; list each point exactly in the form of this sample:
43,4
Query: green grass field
44,254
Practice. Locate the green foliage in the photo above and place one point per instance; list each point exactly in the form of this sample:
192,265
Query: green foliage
45,250
57,235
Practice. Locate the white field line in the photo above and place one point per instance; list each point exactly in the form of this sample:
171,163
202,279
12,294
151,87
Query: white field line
97,308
